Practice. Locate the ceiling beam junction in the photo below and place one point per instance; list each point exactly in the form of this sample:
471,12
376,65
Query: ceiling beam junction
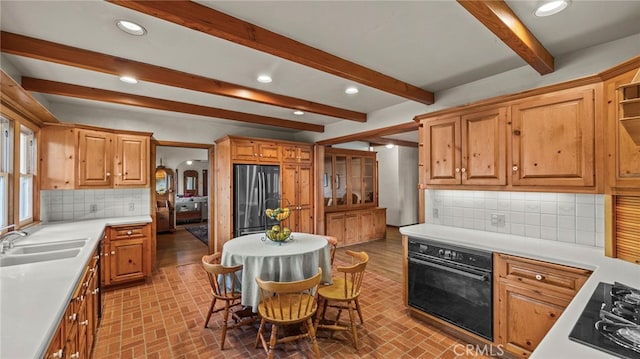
378,132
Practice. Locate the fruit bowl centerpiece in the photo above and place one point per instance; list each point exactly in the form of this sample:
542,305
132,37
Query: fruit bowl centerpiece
279,214
278,234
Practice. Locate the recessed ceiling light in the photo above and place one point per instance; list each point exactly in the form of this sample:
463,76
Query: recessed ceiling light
298,113
552,7
389,145
351,90
265,79
189,162
128,79
131,27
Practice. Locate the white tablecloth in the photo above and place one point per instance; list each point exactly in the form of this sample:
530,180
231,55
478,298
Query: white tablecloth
295,259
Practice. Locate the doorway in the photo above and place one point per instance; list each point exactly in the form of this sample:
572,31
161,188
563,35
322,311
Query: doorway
181,199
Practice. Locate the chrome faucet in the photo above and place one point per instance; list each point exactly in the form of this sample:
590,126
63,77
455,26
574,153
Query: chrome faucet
9,236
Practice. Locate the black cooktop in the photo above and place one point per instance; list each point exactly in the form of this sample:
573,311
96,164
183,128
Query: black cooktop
611,321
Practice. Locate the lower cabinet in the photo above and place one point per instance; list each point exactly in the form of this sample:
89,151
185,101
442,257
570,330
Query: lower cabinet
75,335
357,226
126,254
529,297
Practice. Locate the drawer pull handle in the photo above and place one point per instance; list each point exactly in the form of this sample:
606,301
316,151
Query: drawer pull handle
95,291
73,317
129,233
113,253
539,277
86,322
75,355
92,270
58,354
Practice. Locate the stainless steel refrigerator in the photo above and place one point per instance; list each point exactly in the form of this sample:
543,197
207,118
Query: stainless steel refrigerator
255,188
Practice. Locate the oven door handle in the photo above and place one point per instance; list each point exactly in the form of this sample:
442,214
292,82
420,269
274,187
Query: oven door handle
483,277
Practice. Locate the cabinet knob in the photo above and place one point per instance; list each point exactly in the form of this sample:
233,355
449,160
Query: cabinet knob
108,174
539,277
463,170
129,233
96,257
95,291
514,168
57,354
85,322
75,355
457,170
92,270
113,253
73,317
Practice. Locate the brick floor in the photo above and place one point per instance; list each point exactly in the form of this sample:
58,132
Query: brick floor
164,318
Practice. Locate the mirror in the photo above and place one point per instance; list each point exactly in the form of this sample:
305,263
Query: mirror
162,181
190,182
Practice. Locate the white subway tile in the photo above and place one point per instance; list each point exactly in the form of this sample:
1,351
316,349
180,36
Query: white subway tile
517,217
585,224
517,229
585,198
517,205
532,231
478,224
567,208
566,197
586,238
550,233
549,220
567,235
585,210
566,222
504,204
532,206
548,197
532,219
600,240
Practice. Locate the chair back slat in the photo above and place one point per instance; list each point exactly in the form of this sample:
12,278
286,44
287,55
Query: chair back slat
354,275
221,278
289,301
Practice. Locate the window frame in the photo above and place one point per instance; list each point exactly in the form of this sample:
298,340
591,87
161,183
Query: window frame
30,170
6,165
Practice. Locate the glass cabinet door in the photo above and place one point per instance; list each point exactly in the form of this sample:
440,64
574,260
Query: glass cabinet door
368,180
327,179
356,181
340,181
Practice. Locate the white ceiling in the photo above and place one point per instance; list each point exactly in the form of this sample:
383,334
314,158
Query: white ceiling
434,45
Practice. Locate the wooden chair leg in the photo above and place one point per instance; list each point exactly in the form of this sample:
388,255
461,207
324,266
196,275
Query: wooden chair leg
312,335
352,325
272,340
359,311
224,324
259,337
213,304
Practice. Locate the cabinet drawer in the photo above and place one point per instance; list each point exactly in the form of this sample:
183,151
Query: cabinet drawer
127,232
563,279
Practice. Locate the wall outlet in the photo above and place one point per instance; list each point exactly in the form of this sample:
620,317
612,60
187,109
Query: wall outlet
93,208
436,213
132,207
498,219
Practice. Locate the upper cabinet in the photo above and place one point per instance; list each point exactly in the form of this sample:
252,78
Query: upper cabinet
74,158
623,152
255,151
297,154
467,149
553,139
545,142
349,179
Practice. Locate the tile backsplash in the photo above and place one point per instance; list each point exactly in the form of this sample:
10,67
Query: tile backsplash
73,205
565,217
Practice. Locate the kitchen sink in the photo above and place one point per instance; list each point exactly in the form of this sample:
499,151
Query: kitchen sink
48,247
12,260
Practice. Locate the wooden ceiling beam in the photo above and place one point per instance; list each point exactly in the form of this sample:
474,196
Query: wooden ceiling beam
71,56
378,132
381,141
498,17
14,100
89,93
207,20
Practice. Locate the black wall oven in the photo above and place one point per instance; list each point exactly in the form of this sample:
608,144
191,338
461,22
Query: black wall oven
452,283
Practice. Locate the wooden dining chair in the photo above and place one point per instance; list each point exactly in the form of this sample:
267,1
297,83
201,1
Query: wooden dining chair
343,295
288,303
223,287
333,242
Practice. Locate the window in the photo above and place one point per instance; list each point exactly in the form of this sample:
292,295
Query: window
28,166
5,170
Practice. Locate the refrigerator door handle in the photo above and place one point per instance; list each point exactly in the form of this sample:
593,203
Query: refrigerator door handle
260,194
263,191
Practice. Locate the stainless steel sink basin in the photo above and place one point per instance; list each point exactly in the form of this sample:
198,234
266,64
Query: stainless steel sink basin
12,260
48,247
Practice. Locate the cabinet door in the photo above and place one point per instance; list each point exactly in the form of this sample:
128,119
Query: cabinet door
335,226
132,153
624,169
56,345
127,263
553,140
268,152
380,223
484,147
367,226
442,151
525,316
369,181
57,157
290,194
305,199
298,154
340,181
105,262
244,150
94,158
352,228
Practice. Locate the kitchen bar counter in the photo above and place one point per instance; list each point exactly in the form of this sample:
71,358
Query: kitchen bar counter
556,343
33,297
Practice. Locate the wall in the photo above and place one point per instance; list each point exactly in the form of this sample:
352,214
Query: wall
74,205
565,217
397,184
173,156
197,166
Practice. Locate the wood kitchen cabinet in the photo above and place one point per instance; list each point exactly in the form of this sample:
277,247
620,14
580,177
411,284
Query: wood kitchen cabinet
250,150
297,154
623,153
466,149
357,226
529,297
297,194
350,179
75,336
127,256
553,141
73,157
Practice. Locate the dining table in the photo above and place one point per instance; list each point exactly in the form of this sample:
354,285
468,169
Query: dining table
296,259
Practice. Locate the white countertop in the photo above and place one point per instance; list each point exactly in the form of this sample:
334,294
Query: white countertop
556,343
33,297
